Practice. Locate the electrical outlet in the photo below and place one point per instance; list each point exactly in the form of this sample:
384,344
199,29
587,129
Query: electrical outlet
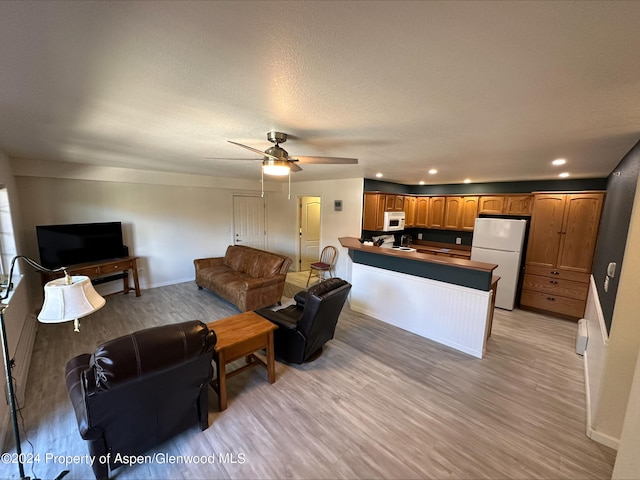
419,236
458,240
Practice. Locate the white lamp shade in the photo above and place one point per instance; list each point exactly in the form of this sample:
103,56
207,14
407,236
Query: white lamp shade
64,302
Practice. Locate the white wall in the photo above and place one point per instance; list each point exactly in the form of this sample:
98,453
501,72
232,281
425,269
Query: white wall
624,340
166,226
20,324
628,461
283,216
170,219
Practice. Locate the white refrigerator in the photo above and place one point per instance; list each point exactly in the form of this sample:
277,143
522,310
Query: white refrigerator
500,241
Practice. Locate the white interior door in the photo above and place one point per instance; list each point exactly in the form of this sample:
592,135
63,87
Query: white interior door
309,231
249,221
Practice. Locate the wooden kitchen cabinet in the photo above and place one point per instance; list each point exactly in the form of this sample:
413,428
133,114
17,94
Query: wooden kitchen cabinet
435,219
505,204
422,212
562,240
452,212
491,204
373,211
393,203
410,211
469,214
460,213
518,204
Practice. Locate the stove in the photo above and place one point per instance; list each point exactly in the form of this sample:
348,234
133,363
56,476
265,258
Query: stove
404,249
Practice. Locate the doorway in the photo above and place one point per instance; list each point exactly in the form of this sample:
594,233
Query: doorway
249,226
308,231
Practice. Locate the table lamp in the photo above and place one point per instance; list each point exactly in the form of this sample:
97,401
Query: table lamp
65,299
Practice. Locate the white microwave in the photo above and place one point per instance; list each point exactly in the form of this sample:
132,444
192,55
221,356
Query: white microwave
393,221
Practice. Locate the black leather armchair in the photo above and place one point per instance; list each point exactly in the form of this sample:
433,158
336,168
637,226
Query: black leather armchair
306,326
139,390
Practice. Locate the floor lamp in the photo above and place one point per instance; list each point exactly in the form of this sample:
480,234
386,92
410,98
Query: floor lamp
65,299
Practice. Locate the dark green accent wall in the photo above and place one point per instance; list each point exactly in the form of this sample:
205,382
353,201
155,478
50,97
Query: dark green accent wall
614,227
443,273
494,187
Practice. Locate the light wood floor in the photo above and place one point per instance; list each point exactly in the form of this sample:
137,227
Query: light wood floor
379,403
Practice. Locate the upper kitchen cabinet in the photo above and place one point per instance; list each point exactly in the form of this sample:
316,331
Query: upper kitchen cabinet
564,228
491,204
469,213
373,211
422,212
435,218
580,231
518,204
410,211
393,203
460,213
505,204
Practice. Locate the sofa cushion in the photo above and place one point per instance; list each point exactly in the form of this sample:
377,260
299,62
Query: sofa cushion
233,258
255,263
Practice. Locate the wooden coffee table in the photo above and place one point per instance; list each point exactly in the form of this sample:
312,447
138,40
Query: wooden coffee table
240,336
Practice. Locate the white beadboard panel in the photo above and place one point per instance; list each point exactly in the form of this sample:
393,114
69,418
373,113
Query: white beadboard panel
594,358
448,314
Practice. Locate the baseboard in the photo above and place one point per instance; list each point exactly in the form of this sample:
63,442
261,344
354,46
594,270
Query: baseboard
604,439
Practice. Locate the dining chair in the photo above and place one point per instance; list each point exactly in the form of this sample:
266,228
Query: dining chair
325,264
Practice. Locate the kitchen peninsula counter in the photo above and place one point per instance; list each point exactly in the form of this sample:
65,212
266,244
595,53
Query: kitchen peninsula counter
439,248
448,300
438,267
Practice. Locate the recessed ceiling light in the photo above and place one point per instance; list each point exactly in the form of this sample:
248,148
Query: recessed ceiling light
433,171
378,175
467,180
421,182
559,161
564,174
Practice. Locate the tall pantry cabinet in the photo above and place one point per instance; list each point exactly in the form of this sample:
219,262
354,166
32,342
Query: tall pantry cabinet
562,241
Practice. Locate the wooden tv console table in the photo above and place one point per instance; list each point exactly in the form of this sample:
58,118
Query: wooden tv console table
102,270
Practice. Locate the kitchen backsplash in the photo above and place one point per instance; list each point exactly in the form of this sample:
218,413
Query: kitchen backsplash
430,235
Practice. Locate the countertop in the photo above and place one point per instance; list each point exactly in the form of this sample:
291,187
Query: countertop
437,247
353,243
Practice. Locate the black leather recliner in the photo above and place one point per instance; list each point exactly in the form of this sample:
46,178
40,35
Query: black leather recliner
136,391
306,326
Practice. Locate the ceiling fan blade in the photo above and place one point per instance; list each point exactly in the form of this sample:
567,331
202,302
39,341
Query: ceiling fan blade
325,160
259,152
294,167
233,159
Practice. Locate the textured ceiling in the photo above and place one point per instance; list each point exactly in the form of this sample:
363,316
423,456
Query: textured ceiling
491,91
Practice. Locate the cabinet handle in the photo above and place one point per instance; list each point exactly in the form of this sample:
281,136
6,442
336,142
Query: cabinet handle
553,282
555,272
551,298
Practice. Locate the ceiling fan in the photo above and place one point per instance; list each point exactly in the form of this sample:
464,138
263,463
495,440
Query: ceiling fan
276,160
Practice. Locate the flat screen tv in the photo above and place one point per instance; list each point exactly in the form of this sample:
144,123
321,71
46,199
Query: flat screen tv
63,245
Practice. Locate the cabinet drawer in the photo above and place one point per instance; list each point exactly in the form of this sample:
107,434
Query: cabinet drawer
553,303
556,286
557,273
114,267
88,271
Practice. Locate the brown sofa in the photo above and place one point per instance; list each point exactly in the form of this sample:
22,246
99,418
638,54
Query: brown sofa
247,277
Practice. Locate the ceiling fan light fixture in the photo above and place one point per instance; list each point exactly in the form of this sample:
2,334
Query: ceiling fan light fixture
275,167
